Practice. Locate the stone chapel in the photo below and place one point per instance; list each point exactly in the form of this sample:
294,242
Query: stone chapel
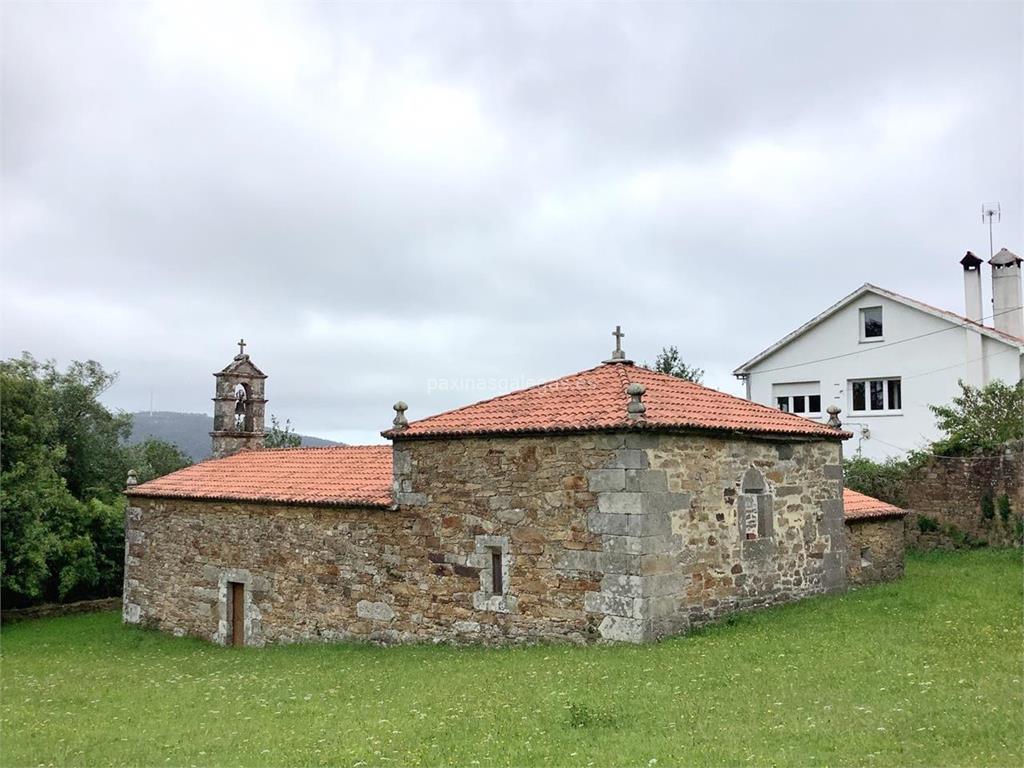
614,504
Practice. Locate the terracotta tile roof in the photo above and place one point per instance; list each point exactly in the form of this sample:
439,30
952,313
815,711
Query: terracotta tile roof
596,399
343,475
857,506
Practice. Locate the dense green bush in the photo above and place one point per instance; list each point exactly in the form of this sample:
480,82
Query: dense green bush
63,464
884,480
980,420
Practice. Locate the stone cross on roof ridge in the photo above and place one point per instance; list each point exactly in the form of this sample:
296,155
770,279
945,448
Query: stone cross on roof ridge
241,347
618,356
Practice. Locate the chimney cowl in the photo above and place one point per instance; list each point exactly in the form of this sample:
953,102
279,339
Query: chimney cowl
1007,313
1005,258
970,261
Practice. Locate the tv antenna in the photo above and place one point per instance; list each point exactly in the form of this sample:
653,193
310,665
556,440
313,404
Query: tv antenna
991,212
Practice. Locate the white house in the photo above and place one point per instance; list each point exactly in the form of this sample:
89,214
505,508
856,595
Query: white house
884,358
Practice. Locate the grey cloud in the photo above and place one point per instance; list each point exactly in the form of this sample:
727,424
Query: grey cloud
381,197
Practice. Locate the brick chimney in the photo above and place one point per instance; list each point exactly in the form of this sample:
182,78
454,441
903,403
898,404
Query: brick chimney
1006,293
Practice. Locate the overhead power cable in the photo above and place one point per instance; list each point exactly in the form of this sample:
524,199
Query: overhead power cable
883,345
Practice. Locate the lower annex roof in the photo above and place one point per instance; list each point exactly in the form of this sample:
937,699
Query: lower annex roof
859,506
337,475
343,475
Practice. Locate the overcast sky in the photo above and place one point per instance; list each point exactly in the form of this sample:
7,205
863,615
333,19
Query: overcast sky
399,201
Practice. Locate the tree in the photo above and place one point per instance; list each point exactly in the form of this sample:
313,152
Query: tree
31,488
93,436
281,436
155,458
669,362
62,470
980,420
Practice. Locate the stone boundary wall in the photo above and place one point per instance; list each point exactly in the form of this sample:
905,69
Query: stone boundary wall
949,491
51,610
875,550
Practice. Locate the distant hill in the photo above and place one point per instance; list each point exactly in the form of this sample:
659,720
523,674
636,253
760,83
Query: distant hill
189,431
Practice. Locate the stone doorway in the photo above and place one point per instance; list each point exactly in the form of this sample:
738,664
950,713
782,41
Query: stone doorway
236,612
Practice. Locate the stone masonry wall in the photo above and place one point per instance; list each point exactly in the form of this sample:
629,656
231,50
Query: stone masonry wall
660,546
715,563
875,550
415,573
624,536
949,491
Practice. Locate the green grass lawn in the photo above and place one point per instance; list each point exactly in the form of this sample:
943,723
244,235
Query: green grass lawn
924,672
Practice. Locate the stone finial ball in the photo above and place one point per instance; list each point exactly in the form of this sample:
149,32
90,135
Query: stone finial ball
400,422
833,410
635,389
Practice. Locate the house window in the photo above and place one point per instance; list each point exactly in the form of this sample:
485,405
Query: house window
754,507
798,398
865,557
876,395
895,394
871,324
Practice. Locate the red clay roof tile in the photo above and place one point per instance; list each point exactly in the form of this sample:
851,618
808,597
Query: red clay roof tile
350,475
857,506
596,399
343,475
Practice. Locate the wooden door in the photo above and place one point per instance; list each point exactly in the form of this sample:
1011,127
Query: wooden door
237,613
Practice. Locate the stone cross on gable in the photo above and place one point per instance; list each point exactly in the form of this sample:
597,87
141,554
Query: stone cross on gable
618,356
241,347
618,334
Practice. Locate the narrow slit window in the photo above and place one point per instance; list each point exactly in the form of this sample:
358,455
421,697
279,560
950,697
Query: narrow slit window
497,578
754,507
865,557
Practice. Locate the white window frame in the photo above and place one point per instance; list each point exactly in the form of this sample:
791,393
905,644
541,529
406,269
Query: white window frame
865,339
885,410
788,390
807,412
